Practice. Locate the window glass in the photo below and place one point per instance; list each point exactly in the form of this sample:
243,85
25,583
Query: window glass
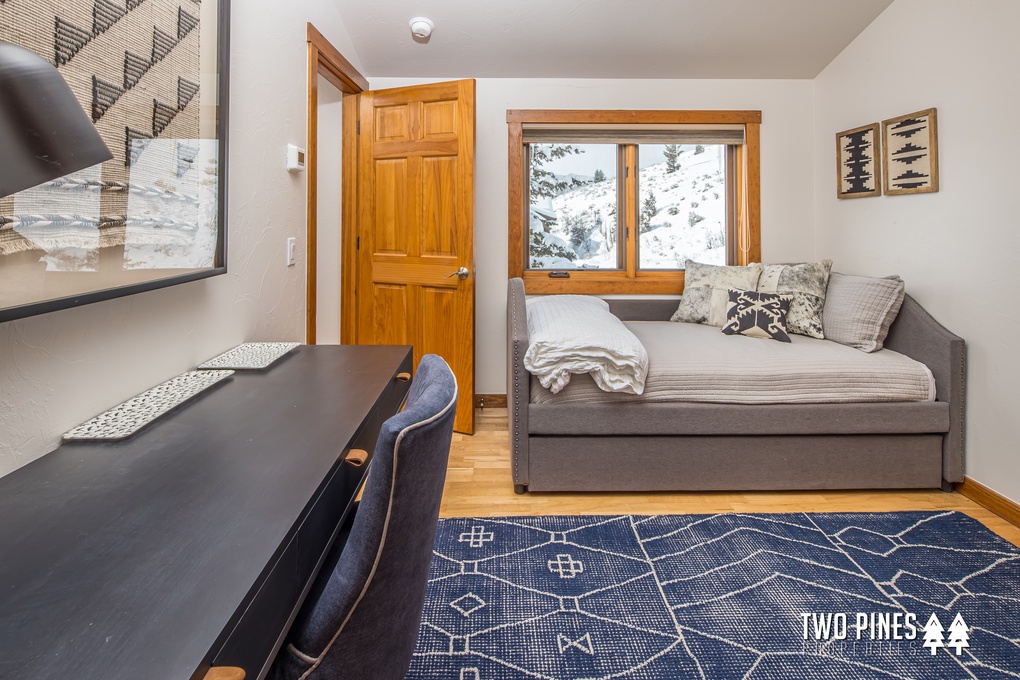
573,206
682,205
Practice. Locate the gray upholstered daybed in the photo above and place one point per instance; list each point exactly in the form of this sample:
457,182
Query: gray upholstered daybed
623,446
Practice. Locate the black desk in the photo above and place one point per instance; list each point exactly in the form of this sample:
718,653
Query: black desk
194,541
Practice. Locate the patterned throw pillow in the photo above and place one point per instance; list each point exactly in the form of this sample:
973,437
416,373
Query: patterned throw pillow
807,283
758,315
705,287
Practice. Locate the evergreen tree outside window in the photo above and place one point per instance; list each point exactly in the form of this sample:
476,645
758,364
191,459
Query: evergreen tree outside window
686,212
671,152
570,217
683,204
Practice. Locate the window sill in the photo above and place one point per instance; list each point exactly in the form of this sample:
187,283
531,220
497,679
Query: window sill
587,283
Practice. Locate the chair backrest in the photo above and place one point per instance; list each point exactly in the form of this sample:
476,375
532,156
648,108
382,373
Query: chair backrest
365,623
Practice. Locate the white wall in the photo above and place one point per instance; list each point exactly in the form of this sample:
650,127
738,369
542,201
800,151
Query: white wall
957,248
787,173
327,216
59,369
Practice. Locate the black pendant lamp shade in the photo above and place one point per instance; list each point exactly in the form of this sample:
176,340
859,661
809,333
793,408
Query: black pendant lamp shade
44,132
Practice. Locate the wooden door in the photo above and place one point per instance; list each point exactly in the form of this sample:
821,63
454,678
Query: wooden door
416,226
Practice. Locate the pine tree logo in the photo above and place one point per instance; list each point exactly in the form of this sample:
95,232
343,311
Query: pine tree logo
933,638
959,635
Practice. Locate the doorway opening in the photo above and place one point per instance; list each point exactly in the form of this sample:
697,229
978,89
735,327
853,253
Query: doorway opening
333,86
329,171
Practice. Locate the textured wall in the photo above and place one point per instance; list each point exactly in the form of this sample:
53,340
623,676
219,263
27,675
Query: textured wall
956,249
327,235
59,369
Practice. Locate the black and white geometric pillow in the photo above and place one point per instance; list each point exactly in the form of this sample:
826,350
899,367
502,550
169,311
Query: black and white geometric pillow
758,315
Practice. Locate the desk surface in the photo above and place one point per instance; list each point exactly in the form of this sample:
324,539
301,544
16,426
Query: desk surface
134,559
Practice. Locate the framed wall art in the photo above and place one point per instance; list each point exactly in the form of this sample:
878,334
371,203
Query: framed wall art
910,155
858,170
152,76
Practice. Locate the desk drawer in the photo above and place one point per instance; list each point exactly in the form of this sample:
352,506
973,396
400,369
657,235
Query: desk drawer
257,636
259,633
323,519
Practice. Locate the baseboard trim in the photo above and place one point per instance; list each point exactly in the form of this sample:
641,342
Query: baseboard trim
490,401
979,493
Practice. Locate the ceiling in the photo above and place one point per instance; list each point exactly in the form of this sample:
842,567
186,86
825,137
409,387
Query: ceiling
605,38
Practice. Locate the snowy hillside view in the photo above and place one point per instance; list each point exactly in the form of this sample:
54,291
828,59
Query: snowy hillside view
681,206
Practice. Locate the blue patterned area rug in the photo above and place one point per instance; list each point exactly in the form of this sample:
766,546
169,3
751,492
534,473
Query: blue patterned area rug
783,596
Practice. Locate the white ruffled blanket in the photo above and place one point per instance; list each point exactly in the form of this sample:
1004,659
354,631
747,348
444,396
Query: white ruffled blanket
578,334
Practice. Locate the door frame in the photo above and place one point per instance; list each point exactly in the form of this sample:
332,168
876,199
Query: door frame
326,60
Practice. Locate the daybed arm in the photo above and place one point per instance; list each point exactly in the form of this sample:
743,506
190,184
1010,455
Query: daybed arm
919,336
518,382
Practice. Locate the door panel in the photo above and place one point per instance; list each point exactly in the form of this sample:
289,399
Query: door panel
439,303
440,120
439,212
392,123
416,225
391,325
390,223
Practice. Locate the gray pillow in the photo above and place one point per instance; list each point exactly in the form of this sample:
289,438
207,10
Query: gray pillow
706,291
807,283
860,309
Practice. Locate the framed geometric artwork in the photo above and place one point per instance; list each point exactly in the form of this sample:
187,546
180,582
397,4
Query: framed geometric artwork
152,77
910,154
858,173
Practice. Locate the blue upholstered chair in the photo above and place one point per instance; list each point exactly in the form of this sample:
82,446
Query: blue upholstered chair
365,623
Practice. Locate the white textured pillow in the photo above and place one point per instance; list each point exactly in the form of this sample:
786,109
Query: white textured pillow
578,334
860,309
706,291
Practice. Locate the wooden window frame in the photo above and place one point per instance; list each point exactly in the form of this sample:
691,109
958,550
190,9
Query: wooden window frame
747,178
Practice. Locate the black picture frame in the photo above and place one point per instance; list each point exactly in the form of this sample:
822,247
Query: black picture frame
141,248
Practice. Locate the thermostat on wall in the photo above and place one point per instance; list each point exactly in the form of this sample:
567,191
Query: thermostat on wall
295,158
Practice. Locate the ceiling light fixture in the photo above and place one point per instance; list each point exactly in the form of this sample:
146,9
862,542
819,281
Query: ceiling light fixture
421,28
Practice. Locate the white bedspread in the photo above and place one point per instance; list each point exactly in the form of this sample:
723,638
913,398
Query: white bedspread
692,362
572,334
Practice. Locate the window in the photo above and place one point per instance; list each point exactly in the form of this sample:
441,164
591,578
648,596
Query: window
617,201
572,206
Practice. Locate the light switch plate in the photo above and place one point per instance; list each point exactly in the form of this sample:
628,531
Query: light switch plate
291,245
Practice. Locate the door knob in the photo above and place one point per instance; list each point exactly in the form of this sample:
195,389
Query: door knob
461,274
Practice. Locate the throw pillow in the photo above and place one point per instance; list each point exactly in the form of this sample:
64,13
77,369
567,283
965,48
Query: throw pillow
807,283
860,309
759,315
705,297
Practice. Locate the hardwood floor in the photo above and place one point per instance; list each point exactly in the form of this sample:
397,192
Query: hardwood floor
478,484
